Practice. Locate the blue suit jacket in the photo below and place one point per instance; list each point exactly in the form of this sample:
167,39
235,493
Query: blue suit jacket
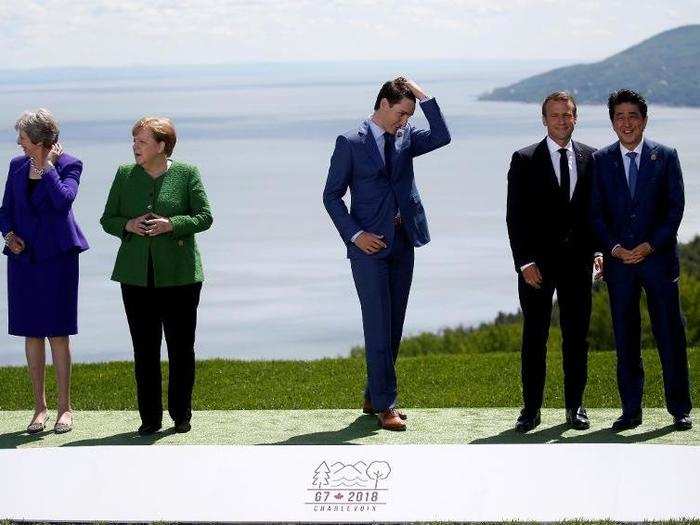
357,164
45,220
653,215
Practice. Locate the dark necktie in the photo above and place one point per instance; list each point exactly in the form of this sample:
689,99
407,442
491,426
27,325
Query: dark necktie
633,172
388,151
564,174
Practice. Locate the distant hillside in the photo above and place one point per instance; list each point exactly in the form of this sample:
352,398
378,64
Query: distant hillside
664,68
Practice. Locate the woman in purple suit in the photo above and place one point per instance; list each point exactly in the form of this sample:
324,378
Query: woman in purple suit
42,243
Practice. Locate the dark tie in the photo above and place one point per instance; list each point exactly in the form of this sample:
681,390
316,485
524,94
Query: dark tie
633,172
564,174
388,151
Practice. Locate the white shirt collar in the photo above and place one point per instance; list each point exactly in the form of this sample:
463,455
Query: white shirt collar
637,150
377,130
554,147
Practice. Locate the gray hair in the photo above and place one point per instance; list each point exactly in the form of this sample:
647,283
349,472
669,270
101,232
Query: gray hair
40,126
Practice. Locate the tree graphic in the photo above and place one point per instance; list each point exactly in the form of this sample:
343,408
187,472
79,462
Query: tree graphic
321,475
378,470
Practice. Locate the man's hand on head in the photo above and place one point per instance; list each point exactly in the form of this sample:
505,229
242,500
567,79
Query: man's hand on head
415,89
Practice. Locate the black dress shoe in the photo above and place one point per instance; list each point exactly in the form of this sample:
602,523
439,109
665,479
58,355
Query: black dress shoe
627,421
527,421
682,422
183,427
148,429
577,418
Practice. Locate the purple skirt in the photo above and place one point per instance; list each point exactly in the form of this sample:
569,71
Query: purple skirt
43,296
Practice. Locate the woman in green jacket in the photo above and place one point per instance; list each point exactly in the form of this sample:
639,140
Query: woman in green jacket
155,207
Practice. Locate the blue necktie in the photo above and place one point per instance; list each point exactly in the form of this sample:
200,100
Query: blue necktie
633,172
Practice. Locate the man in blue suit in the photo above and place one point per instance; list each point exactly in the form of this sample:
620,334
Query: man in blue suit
386,220
637,208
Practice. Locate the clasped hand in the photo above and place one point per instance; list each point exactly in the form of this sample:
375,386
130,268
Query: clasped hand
149,225
370,243
634,256
15,243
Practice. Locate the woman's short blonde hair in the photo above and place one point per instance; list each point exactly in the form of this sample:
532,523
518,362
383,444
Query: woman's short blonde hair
161,128
40,126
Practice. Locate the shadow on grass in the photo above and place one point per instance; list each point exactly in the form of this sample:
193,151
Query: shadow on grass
20,438
555,434
363,426
125,438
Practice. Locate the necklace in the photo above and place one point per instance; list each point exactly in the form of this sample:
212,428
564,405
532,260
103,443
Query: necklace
36,172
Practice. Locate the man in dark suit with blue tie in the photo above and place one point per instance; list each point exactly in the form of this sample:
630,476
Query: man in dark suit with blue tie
385,222
637,207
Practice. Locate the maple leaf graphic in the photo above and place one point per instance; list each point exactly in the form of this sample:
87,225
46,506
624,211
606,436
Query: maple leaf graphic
338,496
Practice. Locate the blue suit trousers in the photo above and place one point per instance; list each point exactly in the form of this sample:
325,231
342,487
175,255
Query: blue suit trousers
383,286
667,326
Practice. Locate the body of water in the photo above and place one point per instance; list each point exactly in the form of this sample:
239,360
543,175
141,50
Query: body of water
278,285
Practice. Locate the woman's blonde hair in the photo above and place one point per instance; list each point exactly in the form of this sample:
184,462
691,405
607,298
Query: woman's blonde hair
161,128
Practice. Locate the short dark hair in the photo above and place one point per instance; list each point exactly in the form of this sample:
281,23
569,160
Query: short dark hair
626,95
394,91
560,96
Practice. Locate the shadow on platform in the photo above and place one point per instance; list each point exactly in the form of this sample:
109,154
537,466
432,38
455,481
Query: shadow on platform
125,438
363,426
555,434
20,438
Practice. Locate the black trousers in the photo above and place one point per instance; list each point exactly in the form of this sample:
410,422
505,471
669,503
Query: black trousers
151,311
570,276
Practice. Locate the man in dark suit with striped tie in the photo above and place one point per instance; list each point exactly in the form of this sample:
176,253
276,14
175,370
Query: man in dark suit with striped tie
638,203
550,236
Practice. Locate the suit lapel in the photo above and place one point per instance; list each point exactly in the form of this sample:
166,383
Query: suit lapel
646,167
371,145
581,165
544,161
23,179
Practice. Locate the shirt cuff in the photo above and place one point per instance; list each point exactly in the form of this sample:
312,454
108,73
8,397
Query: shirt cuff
526,265
352,239
426,99
618,245
598,254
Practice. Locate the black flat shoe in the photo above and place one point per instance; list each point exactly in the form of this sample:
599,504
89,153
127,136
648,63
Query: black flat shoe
149,429
627,421
527,421
183,427
682,422
577,418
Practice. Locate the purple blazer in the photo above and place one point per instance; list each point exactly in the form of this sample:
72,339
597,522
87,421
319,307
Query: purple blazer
45,220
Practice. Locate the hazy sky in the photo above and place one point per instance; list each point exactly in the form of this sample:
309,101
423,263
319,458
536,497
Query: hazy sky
36,33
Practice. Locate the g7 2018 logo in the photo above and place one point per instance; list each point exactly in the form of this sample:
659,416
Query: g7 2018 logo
352,487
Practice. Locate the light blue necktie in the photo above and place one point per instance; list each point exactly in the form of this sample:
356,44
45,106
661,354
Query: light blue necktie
633,172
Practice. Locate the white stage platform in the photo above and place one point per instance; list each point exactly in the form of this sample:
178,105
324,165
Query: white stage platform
351,483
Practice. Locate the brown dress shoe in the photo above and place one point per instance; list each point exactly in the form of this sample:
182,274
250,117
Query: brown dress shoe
368,409
390,420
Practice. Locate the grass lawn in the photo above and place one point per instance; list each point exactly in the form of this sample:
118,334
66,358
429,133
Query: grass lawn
429,381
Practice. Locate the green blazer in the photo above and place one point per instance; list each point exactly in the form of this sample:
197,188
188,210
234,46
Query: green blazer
177,194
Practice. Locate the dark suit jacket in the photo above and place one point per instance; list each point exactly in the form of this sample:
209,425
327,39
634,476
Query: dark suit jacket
538,218
653,215
357,164
45,220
